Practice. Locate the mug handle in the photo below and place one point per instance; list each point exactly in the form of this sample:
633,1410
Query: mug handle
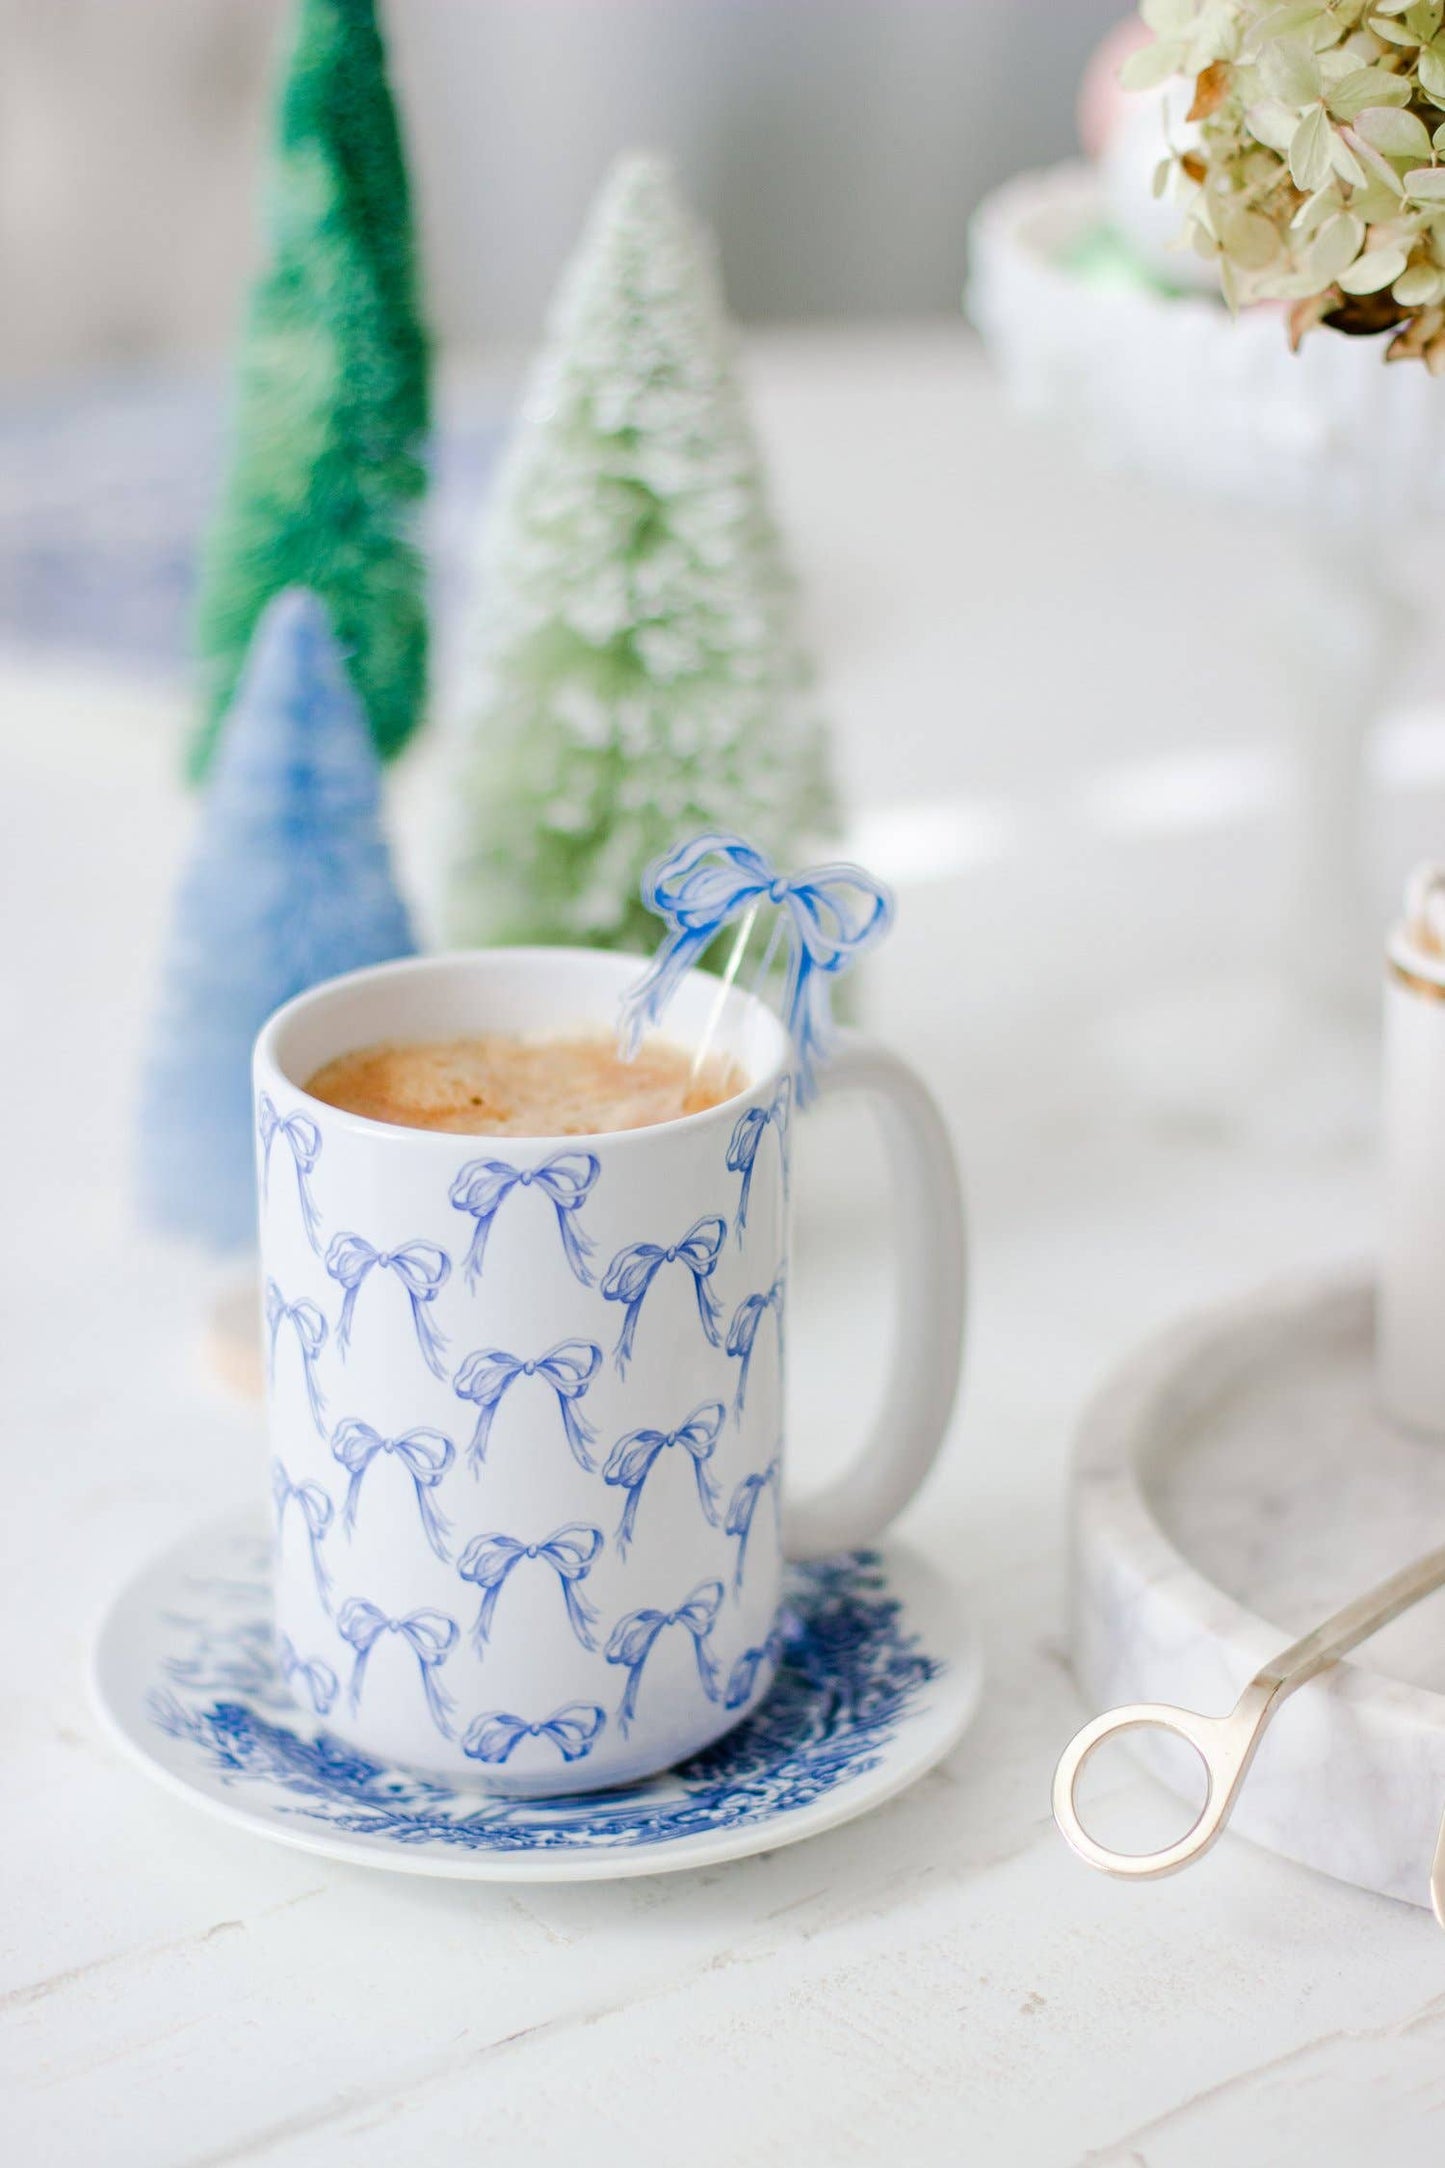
928,1349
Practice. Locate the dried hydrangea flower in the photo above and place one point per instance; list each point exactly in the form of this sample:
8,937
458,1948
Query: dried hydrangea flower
1317,179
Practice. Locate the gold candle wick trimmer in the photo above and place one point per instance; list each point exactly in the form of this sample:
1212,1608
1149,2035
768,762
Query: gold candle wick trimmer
1227,1744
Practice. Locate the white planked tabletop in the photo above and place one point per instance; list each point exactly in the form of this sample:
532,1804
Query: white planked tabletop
1084,789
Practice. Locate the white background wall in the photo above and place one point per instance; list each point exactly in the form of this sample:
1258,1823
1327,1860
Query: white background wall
837,145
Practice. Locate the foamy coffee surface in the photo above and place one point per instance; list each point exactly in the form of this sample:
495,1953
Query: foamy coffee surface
498,1086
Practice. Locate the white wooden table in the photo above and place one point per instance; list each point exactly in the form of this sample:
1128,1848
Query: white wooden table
1093,850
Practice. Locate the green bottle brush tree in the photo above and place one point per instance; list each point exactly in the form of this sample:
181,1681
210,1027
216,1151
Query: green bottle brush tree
637,675
332,394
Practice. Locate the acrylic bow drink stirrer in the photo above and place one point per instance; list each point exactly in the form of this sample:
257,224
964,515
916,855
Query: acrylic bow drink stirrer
1227,1744
826,917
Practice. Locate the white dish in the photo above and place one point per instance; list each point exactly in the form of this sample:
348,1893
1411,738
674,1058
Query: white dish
880,1676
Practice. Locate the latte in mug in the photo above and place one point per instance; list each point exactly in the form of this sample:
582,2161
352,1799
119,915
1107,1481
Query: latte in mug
498,1085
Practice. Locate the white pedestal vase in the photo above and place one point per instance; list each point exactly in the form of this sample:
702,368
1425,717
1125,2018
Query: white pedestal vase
1351,452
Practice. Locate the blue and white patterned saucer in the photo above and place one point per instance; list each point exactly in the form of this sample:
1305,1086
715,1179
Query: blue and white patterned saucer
880,1677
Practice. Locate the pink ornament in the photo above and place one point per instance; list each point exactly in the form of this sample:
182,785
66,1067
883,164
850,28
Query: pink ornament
1102,101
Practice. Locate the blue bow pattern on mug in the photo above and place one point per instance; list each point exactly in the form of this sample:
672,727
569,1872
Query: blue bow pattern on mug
829,914
423,1270
744,1504
565,1180
303,1141
633,1458
569,1368
309,1327
573,1730
315,1509
633,1639
633,1270
430,1635
751,1127
426,1456
744,1675
316,1679
743,1332
489,1561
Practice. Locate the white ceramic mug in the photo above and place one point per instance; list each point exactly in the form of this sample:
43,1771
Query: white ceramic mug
526,1395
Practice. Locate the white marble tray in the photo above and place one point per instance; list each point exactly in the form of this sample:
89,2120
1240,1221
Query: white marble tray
1232,1485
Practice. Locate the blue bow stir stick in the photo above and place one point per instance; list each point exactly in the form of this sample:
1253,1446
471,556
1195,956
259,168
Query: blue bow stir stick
829,915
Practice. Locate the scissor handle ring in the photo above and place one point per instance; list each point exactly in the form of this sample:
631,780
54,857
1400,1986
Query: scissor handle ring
1217,1742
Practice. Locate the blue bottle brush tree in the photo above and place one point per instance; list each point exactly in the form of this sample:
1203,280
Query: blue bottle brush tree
289,882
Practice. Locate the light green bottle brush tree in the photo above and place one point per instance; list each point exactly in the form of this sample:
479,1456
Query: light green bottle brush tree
635,669
331,403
